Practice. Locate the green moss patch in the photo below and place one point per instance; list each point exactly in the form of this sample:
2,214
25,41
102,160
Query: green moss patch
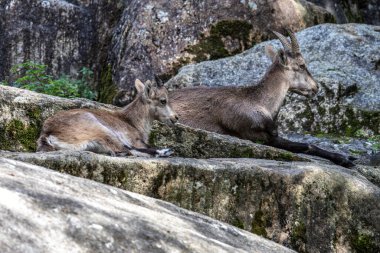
259,224
17,136
106,88
351,11
212,47
298,236
364,243
357,119
238,223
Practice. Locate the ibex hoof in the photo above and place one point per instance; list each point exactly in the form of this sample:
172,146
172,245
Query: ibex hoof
165,152
352,158
347,163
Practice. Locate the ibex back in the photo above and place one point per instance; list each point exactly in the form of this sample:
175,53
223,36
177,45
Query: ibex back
250,112
123,131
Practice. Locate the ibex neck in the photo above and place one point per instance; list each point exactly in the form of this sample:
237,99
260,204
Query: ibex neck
137,115
272,90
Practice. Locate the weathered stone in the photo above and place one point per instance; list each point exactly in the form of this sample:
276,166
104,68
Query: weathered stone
358,147
344,59
64,35
307,206
352,11
372,173
157,37
22,113
45,211
196,143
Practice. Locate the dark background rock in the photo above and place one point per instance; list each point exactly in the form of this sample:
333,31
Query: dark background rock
158,37
64,35
352,11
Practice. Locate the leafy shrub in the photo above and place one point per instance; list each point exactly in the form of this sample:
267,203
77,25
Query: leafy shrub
33,76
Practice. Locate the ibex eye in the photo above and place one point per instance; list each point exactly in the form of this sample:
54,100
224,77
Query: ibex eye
163,101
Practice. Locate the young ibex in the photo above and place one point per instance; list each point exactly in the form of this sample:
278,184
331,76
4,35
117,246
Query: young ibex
119,132
250,112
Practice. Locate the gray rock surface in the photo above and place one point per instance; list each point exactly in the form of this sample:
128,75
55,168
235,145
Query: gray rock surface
352,11
196,143
157,37
308,206
344,145
344,59
46,211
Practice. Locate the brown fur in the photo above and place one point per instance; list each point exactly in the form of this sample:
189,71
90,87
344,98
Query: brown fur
110,132
245,112
251,112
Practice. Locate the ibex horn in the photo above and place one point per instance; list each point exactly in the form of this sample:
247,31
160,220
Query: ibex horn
158,81
293,39
284,40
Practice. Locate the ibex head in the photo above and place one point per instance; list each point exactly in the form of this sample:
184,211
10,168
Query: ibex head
293,64
156,99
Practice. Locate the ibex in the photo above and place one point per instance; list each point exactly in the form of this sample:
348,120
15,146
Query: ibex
119,132
251,112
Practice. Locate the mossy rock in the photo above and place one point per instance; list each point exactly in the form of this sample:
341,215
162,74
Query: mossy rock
197,143
106,88
17,135
213,46
309,206
22,113
364,243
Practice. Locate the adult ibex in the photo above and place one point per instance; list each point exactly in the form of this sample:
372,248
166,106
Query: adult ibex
118,132
250,112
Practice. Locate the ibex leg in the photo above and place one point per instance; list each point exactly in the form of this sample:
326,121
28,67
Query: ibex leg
309,149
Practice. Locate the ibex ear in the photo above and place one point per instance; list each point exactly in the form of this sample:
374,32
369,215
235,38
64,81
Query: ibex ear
282,57
150,89
270,52
140,87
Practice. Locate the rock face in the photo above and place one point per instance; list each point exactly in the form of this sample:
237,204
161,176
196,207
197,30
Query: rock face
65,35
152,37
197,143
157,37
352,11
344,59
307,206
22,113
45,211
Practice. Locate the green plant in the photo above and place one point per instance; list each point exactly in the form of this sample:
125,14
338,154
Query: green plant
375,142
33,76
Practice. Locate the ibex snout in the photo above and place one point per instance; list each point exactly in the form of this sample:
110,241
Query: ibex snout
314,88
174,118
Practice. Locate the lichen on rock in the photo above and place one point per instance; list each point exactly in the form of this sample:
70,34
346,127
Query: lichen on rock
90,217
196,143
308,206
